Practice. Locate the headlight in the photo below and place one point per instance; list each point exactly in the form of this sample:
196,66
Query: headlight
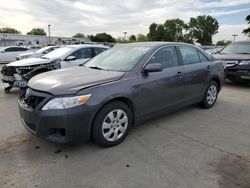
244,63
66,102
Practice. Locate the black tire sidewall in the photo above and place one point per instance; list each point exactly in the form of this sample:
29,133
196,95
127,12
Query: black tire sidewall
97,126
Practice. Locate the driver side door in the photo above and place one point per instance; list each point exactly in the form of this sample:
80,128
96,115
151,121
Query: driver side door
164,89
81,56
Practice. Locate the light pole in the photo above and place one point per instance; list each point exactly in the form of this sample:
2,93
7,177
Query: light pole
125,33
49,32
234,36
3,40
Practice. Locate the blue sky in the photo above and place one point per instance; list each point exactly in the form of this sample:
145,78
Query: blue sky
68,17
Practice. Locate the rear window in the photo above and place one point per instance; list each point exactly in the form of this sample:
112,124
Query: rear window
15,49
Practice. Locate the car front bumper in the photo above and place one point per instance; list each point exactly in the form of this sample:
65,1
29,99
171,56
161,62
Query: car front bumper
62,126
238,72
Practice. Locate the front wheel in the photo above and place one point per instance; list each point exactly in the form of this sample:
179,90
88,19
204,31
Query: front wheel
112,124
210,96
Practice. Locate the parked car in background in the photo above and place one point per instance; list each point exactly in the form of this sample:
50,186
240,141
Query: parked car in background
117,88
37,53
236,59
17,73
214,50
8,54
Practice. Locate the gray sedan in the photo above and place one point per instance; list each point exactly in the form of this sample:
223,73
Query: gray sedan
117,89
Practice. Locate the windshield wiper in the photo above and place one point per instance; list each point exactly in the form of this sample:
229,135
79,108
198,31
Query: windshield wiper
44,57
243,53
98,68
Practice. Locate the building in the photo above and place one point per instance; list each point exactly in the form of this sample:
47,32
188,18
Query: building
37,40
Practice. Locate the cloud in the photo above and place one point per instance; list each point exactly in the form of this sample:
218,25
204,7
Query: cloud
68,17
222,13
226,31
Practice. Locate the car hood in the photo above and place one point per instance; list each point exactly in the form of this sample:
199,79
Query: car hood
232,56
29,62
71,80
27,53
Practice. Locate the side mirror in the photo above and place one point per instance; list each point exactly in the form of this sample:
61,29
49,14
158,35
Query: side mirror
70,58
154,67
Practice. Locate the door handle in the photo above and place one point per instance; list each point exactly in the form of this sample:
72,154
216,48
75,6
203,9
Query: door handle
179,74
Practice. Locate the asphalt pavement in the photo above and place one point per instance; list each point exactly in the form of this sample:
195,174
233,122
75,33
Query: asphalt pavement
191,148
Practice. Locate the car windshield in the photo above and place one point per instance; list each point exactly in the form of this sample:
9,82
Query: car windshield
120,58
58,53
237,48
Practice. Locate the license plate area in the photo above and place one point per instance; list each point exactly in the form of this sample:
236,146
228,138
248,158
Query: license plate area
20,83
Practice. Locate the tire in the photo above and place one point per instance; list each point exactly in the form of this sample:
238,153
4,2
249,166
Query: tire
211,95
109,129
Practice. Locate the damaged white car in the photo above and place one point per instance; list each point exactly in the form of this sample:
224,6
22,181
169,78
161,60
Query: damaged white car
17,73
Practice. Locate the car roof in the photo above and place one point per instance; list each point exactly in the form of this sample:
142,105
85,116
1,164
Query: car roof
85,45
155,44
242,42
15,47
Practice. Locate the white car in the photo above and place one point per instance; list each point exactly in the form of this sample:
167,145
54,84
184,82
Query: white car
8,54
17,73
37,53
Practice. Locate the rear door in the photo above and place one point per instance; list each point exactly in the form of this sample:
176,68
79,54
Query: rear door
197,71
165,89
82,55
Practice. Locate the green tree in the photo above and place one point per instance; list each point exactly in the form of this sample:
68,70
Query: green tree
121,40
132,38
9,30
37,31
79,35
152,35
174,30
101,37
141,38
223,43
202,28
247,31
160,33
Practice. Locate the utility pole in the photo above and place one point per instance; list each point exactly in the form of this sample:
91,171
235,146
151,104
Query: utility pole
125,33
234,36
3,40
49,32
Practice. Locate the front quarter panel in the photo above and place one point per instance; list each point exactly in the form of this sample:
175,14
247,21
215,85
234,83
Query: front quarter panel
103,93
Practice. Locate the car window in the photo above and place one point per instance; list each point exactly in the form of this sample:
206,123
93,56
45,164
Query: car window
120,58
82,53
15,49
203,58
99,50
166,56
189,55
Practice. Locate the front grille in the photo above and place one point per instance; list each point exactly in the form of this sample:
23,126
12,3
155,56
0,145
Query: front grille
33,101
8,71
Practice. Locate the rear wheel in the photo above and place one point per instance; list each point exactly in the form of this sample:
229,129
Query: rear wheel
112,124
210,96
